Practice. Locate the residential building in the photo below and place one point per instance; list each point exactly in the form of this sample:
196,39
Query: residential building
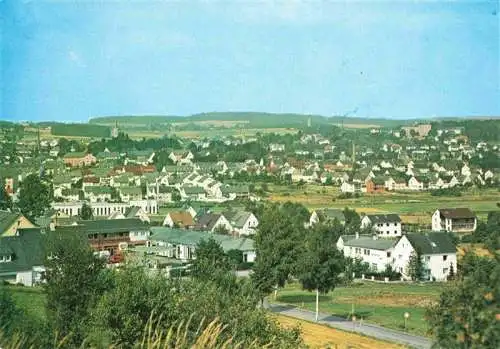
243,222
22,256
454,219
110,235
178,219
11,222
377,252
79,159
213,222
105,208
437,251
181,244
386,225
327,215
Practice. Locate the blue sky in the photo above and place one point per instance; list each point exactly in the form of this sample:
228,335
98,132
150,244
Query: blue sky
68,60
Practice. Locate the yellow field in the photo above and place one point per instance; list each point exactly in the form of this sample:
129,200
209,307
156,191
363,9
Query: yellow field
478,249
320,336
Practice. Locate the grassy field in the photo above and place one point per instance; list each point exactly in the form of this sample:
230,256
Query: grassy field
415,207
320,336
379,303
30,299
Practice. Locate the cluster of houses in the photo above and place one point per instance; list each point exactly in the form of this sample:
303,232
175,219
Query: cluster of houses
414,176
386,244
21,241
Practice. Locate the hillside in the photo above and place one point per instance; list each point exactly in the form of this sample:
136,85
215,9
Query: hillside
249,119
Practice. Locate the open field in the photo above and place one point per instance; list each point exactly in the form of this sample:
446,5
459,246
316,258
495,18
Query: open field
415,207
379,303
30,299
358,126
320,336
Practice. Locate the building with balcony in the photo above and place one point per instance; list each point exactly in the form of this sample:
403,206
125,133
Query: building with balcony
461,220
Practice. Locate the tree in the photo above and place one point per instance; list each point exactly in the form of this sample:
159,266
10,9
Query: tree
277,242
352,221
5,199
86,212
35,197
467,313
321,263
211,261
415,266
76,278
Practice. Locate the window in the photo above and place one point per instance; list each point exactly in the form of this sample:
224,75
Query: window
366,252
388,255
427,258
445,257
396,232
445,271
387,224
374,266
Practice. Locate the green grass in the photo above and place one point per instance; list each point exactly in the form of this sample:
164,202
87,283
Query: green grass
30,299
378,303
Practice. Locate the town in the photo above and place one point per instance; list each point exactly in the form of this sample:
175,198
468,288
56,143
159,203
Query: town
153,202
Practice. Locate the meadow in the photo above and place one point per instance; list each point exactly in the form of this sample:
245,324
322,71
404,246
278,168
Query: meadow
321,336
372,302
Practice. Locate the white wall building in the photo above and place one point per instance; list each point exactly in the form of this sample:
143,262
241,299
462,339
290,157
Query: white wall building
386,225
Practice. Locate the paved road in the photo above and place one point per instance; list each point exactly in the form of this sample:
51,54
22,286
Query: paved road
343,324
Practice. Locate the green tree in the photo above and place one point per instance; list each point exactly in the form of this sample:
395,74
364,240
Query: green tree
277,242
75,280
467,314
321,263
35,196
5,199
211,261
415,266
86,212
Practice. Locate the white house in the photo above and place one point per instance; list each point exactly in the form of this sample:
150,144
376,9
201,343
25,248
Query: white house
437,251
243,222
212,222
377,252
386,225
454,219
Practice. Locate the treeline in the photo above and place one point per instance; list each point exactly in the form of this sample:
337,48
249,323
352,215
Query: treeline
80,130
476,130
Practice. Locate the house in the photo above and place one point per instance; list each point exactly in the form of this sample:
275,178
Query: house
454,219
181,158
110,234
213,222
377,252
104,208
386,225
11,222
375,185
181,244
243,222
136,212
79,159
327,215
130,193
98,193
22,256
276,147
178,219
192,193
437,251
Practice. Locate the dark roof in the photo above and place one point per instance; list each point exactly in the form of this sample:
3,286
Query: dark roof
456,213
432,243
383,218
106,226
237,218
207,221
331,214
371,243
26,250
7,219
132,211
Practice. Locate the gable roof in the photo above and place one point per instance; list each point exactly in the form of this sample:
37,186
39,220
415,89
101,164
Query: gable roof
461,212
237,218
383,218
370,243
193,237
331,214
432,243
107,226
207,221
26,250
182,218
7,219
